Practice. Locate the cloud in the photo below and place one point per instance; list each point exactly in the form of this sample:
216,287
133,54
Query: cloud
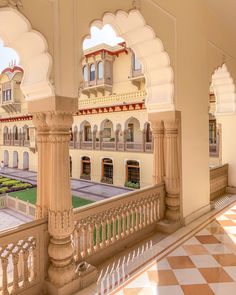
6,56
105,35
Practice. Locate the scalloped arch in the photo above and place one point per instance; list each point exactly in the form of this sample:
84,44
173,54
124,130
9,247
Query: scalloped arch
16,32
150,51
224,90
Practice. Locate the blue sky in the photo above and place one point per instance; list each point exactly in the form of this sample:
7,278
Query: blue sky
105,35
98,36
6,56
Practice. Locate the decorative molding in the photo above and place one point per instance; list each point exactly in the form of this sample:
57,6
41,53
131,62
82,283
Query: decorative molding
61,223
17,4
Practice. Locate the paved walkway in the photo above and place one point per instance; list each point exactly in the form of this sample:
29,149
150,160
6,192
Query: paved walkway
10,219
80,188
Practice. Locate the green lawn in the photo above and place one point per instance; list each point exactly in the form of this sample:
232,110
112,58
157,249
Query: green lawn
30,195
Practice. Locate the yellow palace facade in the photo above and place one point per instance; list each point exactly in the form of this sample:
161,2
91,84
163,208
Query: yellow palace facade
111,137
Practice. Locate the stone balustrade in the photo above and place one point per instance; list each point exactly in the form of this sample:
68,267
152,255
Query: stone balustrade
107,226
218,181
23,259
131,97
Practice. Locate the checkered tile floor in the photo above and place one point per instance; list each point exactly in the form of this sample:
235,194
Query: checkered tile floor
203,265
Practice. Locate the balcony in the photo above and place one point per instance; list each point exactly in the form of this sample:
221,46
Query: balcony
97,86
112,100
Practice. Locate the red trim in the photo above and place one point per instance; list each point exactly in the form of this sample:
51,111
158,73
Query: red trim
14,119
93,111
112,109
12,70
117,52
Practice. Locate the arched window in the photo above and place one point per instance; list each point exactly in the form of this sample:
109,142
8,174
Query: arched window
132,174
148,133
100,70
26,132
5,133
71,134
85,168
107,171
85,73
92,72
87,133
15,133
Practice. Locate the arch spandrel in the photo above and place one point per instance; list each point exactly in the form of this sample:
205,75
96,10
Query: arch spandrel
150,52
16,32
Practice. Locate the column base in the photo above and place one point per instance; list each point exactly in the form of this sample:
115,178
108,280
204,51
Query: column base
83,279
167,226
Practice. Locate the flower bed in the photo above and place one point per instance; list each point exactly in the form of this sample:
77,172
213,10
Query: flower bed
8,185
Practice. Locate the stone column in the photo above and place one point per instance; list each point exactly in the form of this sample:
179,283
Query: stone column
172,174
117,139
39,121
62,268
124,139
158,151
144,140
100,139
94,139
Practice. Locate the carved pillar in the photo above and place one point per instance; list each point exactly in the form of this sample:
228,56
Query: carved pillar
144,140
60,215
124,139
94,139
172,177
158,151
117,139
80,139
100,139
43,185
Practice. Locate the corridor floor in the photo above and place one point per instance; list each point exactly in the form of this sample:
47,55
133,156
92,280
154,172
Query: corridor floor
205,264
198,259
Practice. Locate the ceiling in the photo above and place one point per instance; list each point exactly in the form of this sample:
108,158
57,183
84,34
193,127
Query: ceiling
225,9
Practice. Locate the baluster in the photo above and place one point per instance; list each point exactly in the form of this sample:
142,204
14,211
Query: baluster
132,220
119,226
128,215
151,211
26,268
103,244
108,231
85,250
114,228
34,266
158,209
97,226
15,259
123,220
4,261
136,218
91,238
148,212
144,213
78,241
155,209
140,217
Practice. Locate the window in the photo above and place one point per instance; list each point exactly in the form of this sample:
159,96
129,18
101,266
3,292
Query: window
85,168
15,133
71,134
130,132
107,171
212,132
136,64
92,72
100,70
133,172
148,133
87,133
26,132
85,73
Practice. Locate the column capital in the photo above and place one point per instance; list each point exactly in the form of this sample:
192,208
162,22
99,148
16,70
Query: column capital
59,121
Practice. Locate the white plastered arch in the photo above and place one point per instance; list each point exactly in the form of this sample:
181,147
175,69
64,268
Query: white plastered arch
16,32
224,89
150,52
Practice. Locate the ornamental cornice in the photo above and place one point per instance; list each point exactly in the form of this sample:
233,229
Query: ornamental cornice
17,4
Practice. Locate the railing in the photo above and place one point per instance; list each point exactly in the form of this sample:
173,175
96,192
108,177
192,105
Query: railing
148,147
109,225
132,146
218,181
23,259
86,145
137,96
108,145
15,204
